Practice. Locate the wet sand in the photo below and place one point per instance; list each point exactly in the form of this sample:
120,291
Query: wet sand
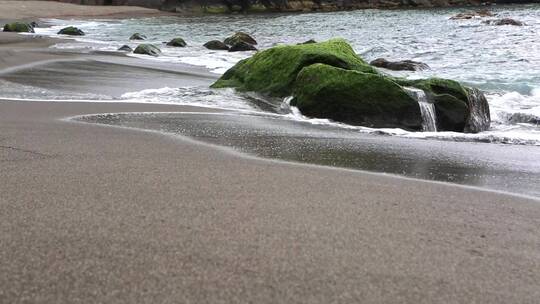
94,213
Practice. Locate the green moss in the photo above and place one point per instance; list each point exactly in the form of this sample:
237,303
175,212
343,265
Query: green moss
19,27
71,31
437,86
355,97
257,8
274,71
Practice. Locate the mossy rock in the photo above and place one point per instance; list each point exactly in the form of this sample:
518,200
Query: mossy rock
137,36
71,31
216,45
240,37
177,42
125,48
19,27
242,47
458,108
274,71
355,97
147,49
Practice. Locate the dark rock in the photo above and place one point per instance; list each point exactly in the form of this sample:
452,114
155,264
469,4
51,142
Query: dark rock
137,36
504,21
147,49
403,65
125,48
71,31
310,41
216,45
240,37
34,24
242,47
177,42
470,15
19,27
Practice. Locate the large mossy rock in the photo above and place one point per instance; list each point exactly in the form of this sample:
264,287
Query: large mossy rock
19,27
71,31
355,98
274,71
147,49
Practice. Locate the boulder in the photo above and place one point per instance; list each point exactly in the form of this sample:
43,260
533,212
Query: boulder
504,21
216,45
137,36
147,49
177,42
125,48
19,27
355,98
71,31
240,37
273,71
329,80
403,65
242,47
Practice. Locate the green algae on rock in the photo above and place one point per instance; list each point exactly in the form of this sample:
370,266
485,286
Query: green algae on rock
71,31
19,27
274,71
240,37
147,49
355,98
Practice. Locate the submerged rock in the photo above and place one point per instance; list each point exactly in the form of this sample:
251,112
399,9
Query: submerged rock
354,97
125,48
216,45
19,27
147,49
71,31
403,65
242,47
504,21
177,42
470,15
137,36
328,80
240,37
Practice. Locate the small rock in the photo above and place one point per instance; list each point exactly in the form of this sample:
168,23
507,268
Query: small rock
71,31
470,15
504,21
310,41
19,27
403,65
137,36
242,47
125,48
147,49
240,36
216,45
177,42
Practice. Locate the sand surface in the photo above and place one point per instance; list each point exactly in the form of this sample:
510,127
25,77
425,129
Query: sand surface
14,10
91,213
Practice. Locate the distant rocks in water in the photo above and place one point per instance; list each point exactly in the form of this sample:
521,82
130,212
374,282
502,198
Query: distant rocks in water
147,49
177,42
310,41
240,37
216,45
137,36
474,14
125,48
19,27
71,31
403,65
242,46
504,21
329,80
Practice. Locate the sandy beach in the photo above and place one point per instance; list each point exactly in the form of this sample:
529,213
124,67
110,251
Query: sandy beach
94,213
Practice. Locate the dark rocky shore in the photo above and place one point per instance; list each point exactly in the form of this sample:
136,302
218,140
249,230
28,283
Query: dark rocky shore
229,6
